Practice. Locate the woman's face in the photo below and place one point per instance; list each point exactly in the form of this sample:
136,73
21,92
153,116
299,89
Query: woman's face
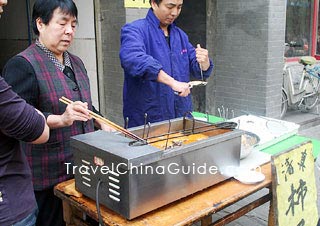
2,3
58,34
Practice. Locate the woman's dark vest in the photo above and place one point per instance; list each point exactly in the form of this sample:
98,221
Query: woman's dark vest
50,162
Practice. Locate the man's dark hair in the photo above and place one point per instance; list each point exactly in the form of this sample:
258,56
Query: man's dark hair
44,9
156,1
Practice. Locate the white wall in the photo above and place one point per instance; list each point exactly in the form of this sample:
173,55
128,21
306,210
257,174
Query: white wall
84,44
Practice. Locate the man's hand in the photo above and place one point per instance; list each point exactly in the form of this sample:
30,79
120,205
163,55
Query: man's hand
202,57
181,88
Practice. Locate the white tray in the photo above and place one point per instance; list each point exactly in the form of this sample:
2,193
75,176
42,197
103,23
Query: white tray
269,130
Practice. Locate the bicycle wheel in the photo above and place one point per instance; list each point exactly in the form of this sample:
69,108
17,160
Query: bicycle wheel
312,94
284,104
311,101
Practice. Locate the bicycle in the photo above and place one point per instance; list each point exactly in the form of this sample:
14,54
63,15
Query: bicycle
304,94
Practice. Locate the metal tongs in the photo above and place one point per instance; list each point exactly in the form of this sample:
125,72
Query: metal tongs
198,83
195,83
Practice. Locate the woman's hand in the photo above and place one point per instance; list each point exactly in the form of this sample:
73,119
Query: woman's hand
105,127
76,111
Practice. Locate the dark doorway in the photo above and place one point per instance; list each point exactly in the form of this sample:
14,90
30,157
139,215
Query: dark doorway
193,21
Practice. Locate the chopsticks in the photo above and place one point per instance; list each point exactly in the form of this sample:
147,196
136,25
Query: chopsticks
106,121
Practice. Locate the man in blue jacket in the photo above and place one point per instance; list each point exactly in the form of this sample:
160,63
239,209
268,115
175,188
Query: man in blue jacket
158,60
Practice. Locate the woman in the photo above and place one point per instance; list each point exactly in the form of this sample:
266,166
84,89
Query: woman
43,73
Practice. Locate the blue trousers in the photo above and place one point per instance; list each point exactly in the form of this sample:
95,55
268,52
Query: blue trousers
30,220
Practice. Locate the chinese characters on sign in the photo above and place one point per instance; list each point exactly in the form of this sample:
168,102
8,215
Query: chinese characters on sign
136,4
294,188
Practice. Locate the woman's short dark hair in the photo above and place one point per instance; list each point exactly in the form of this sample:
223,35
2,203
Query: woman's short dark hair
44,9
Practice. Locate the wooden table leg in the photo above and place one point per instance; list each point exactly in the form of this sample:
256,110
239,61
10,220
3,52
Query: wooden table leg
72,216
67,214
271,217
206,221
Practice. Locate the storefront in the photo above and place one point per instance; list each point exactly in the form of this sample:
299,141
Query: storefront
302,29
245,38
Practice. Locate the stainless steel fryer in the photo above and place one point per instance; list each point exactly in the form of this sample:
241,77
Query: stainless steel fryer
137,178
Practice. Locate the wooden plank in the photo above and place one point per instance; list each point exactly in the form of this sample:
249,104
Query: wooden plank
190,209
242,211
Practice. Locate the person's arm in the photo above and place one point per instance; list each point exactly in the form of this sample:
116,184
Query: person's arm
19,74
19,119
133,56
137,63
44,137
181,88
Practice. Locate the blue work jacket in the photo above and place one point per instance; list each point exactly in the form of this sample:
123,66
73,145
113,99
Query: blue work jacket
144,52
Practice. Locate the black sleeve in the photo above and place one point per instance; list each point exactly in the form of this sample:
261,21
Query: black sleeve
19,73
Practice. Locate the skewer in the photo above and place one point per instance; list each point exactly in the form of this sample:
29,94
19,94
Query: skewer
201,72
105,121
149,126
168,135
127,123
145,123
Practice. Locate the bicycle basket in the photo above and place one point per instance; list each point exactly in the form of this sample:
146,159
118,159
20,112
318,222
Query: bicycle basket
314,70
307,60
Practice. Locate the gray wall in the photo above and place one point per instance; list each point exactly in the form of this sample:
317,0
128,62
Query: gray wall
247,38
13,30
112,18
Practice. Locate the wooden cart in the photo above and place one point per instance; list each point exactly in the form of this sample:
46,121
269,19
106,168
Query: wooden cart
197,207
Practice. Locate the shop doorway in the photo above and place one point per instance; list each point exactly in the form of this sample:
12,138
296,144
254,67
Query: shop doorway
193,21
